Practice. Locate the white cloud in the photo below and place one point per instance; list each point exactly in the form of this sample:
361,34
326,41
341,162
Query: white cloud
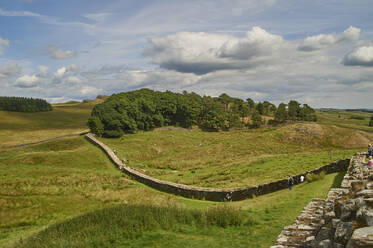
10,69
201,53
57,53
43,69
322,41
351,33
60,72
27,81
3,43
258,42
74,79
90,91
361,56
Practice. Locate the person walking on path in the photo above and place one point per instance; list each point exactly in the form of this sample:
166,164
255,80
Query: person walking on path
290,182
370,150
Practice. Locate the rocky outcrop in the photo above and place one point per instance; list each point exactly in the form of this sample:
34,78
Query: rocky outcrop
343,219
210,193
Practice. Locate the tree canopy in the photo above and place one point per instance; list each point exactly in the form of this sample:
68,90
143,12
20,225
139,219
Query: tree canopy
24,104
145,109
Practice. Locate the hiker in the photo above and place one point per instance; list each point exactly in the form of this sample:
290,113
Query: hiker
301,178
370,150
370,162
290,182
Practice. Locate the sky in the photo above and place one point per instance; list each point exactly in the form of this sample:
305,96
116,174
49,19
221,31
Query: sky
315,52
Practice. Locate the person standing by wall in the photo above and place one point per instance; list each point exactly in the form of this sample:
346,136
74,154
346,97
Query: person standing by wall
370,150
290,182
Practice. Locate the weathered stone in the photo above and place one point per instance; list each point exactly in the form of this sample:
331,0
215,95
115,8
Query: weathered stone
347,210
310,238
369,185
365,214
362,238
335,222
329,216
325,244
336,245
343,232
324,233
357,185
366,193
369,202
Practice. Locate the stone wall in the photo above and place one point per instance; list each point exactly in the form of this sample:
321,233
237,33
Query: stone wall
210,193
343,219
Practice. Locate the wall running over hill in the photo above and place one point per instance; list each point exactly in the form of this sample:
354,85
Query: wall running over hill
343,219
210,193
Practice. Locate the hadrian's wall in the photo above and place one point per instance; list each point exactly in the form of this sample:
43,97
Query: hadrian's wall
210,193
343,219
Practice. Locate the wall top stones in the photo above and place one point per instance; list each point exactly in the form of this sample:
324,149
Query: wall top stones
211,193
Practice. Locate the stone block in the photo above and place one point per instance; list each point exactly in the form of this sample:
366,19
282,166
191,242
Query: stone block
343,232
325,244
366,193
324,233
361,238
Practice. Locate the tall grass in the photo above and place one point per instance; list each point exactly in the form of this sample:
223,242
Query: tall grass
109,227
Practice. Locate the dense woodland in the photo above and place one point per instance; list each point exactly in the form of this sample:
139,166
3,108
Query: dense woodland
146,109
24,104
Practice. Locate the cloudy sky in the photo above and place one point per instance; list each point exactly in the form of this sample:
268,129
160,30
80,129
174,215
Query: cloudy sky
316,52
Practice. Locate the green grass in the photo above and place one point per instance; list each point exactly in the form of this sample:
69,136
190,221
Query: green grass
44,185
17,128
47,183
237,158
191,223
346,119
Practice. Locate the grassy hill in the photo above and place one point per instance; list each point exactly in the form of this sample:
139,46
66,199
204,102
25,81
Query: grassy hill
17,128
236,158
50,185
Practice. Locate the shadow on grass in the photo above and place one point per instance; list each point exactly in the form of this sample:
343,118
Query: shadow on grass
338,180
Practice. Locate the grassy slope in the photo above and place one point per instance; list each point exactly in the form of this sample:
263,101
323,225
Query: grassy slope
17,128
44,184
260,221
236,158
343,119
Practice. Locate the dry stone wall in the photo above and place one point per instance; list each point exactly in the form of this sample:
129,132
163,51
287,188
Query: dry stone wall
343,219
210,193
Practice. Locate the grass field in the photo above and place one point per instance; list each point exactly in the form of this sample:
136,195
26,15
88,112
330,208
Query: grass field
52,184
237,158
17,128
345,119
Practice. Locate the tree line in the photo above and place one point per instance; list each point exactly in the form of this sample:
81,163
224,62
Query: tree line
146,109
24,104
